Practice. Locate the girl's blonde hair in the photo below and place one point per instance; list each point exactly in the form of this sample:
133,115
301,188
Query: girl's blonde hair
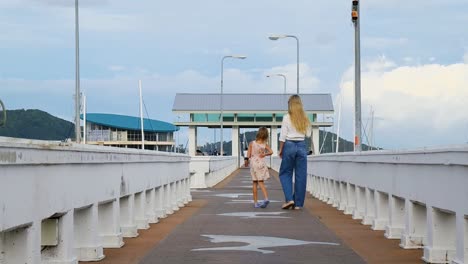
262,134
299,119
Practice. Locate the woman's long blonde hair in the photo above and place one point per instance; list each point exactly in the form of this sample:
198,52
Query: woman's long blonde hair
299,119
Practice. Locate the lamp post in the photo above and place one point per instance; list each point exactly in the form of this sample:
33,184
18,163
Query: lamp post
357,79
221,99
178,132
276,37
77,76
333,137
281,75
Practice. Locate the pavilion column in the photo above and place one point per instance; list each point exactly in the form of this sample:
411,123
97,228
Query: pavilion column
235,141
274,140
315,140
192,140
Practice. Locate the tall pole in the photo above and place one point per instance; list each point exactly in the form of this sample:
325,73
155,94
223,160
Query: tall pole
178,132
84,119
338,128
357,81
276,37
221,106
284,77
77,76
221,98
280,75
297,40
141,117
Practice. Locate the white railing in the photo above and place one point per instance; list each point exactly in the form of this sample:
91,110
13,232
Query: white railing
64,203
275,163
207,171
419,196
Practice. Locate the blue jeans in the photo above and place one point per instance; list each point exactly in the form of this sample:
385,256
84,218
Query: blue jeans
294,160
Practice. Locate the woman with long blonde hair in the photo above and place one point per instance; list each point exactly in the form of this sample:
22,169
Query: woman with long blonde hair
294,128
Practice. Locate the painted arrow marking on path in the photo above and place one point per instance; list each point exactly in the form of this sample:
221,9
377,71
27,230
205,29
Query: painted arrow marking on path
255,243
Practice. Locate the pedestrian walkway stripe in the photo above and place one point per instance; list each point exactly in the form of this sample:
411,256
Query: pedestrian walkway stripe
248,201
247,215
232,195
255,243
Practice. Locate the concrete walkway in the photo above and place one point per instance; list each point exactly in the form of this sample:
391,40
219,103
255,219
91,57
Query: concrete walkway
229,230
221,226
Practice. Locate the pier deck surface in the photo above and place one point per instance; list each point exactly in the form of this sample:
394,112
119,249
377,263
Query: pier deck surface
220,225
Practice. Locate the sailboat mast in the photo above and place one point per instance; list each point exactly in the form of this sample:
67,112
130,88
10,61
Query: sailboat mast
141,118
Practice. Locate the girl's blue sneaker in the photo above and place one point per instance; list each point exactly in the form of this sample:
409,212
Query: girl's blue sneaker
258,205
264,204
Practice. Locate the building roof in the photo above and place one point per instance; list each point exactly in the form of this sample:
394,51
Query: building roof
129,122
189,102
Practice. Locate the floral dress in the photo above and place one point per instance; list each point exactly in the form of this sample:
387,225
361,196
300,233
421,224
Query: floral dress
258,167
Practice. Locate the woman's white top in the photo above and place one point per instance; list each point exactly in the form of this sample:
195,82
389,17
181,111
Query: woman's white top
289,132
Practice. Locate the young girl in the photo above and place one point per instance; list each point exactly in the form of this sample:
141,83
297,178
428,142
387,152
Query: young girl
256,154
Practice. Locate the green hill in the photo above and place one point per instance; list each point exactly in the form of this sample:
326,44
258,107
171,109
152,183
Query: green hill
36,124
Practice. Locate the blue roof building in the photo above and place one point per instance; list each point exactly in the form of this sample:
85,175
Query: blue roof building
125,131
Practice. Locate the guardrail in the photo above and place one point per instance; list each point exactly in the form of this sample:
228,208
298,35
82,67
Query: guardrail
207,171
417,196
64,203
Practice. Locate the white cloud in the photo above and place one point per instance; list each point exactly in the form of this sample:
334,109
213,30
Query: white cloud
61,3
117,90
428,100
309,83
95,20
412,4
116,68
381,43
224,51
408,59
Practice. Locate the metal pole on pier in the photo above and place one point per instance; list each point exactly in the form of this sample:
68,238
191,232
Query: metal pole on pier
141,118
84,119
357,81
77,76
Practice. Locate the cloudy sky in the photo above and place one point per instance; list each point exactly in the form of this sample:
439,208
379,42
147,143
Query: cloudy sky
414,58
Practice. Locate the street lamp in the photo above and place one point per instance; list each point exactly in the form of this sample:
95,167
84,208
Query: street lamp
333,137
178,132
357,77
77,76
221,101
281,75
276,37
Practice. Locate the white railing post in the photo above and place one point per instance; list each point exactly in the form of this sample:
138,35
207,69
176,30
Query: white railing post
141,219
167,199
174,204
86,233
64,251
150,206
396,223
343,196
109,224
441,244
351,199
160,202
127,216
180,194
336,190
369,213
359,210
381,211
